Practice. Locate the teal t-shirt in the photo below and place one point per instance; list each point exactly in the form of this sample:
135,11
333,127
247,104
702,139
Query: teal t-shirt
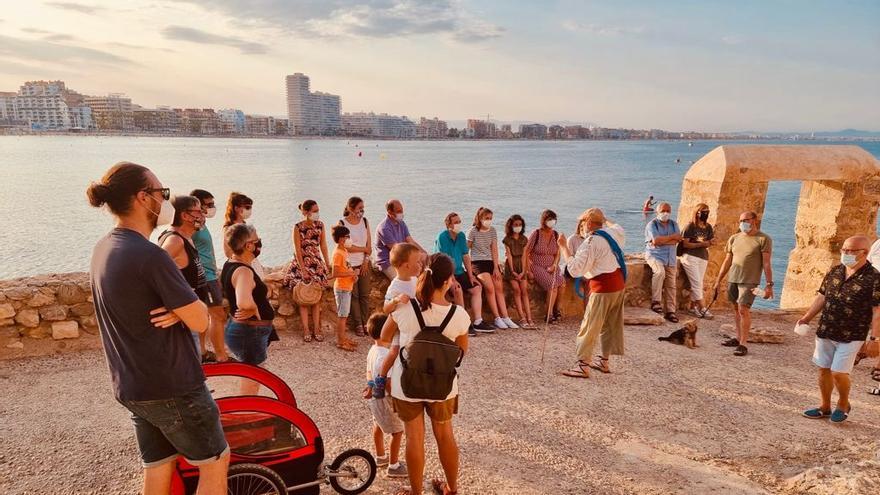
205,246
455,249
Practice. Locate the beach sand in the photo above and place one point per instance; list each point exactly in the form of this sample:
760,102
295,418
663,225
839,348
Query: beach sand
667,420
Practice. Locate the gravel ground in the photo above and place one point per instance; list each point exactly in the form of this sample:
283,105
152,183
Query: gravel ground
667,420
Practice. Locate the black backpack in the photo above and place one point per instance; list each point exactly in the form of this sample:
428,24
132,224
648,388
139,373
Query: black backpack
429,360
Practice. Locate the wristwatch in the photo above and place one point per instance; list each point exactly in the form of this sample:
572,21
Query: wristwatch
769,284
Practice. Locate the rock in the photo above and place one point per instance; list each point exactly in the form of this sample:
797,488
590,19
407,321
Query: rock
279,323
88,321
40,300
29,318
6,322
641,316
53,313
6,310
285,309
83,309
728,328
15,345
18,293
766,336
39,332
9,332
65,330
70,294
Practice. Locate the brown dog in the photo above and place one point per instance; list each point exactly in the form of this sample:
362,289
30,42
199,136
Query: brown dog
686,335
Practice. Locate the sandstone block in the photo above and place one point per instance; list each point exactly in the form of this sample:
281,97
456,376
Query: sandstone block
53,313
29,318
7,322
18,293
15,345
641,316
65,330
279,323
285,309
6,310
766,336
83,309
88,321
70,294
39,300
39,332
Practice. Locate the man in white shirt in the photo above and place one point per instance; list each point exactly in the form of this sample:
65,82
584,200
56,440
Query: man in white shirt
874,254
599,259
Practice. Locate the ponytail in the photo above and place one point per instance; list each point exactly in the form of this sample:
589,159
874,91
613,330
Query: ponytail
438,271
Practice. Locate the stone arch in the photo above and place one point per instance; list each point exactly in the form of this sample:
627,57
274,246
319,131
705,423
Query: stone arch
840,194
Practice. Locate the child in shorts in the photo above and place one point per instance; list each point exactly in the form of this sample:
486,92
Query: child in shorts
385,420
343,282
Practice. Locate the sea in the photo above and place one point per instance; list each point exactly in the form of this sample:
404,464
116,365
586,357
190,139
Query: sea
49,227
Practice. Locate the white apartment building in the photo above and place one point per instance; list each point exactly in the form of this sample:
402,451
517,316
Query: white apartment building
41,104
7,106
377,125
112,112
311,113
81,118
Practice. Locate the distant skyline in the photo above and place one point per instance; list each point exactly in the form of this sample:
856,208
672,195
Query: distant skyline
708,66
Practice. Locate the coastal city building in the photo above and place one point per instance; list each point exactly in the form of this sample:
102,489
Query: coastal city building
431,128
231,121
197,121
377,125
41,104
113,112
482,129
311,113
533,131
161,120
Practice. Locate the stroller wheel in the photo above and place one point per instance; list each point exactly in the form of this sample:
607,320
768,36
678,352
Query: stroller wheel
352,472
254,479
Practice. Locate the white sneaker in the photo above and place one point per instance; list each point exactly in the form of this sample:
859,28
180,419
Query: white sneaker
510,323
500,323
707,315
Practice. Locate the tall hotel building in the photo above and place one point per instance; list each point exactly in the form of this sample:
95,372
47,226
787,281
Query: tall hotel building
311,113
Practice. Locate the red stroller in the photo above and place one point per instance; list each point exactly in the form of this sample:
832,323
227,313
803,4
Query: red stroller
275,447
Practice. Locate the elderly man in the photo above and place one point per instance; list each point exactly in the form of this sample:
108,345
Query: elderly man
849,299
662,235
599,259
392,230
748,254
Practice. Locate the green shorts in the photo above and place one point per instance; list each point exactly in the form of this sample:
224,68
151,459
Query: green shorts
741,294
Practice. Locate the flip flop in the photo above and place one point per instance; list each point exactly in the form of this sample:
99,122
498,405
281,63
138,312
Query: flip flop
579,370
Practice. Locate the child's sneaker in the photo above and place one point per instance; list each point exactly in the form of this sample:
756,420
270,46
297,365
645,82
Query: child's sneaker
379,387
398,472
382,461
500,323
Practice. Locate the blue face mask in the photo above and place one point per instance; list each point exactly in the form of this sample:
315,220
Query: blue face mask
848,259
745,226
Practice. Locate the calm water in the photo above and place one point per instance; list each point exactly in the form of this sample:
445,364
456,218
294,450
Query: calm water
49,226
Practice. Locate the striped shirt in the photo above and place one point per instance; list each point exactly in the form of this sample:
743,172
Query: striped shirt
481,250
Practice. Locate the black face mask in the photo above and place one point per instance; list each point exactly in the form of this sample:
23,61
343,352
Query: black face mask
258,246
704,215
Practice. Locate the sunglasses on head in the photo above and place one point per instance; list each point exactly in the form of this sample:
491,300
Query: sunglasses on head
166,192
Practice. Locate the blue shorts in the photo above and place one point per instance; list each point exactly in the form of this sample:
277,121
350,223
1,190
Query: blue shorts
840,357
248,343
343,303
187,425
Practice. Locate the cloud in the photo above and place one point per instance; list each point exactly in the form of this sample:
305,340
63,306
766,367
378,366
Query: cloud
76,7
43,51
193,35
356,19
603,29
140,47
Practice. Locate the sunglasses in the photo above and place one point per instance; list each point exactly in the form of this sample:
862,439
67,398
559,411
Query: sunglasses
166,192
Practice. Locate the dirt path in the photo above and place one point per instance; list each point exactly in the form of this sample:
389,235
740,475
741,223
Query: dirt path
668,420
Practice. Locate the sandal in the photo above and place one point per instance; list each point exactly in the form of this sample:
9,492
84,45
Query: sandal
875,374
656,307
441,488
874,391
671,317
579,370
600,364
307,337
360,331
347,345
319,337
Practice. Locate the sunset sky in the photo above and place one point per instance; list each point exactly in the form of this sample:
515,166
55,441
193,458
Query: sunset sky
715,66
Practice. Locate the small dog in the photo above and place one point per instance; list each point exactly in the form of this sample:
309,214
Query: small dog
686,335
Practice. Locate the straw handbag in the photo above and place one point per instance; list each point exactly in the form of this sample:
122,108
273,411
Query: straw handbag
307,294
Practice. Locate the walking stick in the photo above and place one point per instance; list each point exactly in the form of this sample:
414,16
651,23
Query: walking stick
550,300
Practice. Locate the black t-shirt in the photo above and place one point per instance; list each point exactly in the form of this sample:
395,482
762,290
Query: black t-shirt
130,277
692,233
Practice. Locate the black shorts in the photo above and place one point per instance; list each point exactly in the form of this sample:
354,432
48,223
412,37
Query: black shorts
464,281
484,266
214,296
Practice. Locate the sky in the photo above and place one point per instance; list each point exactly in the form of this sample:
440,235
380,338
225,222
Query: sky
779,65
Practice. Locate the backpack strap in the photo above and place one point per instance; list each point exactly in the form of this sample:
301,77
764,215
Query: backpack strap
448,318
418,311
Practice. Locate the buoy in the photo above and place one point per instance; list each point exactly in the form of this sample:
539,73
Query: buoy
360,153
382,156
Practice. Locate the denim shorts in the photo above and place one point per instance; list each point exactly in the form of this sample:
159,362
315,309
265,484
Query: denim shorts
343,303
840,357
186,425
247,343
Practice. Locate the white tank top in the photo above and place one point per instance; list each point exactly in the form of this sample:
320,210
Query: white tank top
358,238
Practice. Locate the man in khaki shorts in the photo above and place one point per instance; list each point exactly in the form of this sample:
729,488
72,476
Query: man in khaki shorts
747,255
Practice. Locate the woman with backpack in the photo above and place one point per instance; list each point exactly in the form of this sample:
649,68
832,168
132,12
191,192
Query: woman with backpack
430,327
542,253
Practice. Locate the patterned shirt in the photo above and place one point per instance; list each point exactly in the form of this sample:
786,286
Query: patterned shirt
481,249
849,303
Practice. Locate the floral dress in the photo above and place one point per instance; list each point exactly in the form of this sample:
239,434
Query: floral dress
313,262
543,251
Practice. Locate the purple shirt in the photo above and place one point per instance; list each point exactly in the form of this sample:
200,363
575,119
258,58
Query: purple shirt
389,233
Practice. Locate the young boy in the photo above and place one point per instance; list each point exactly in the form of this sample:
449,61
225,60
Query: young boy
385,421
407,261
343,281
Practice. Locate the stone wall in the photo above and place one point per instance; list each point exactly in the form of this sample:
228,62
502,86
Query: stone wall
59,307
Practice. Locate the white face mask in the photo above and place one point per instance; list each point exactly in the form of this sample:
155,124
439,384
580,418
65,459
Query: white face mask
348,243
314,217
486,223
166,213
245,214
211,212
745,226
663,216
517,229
456,227
550,224
399,217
